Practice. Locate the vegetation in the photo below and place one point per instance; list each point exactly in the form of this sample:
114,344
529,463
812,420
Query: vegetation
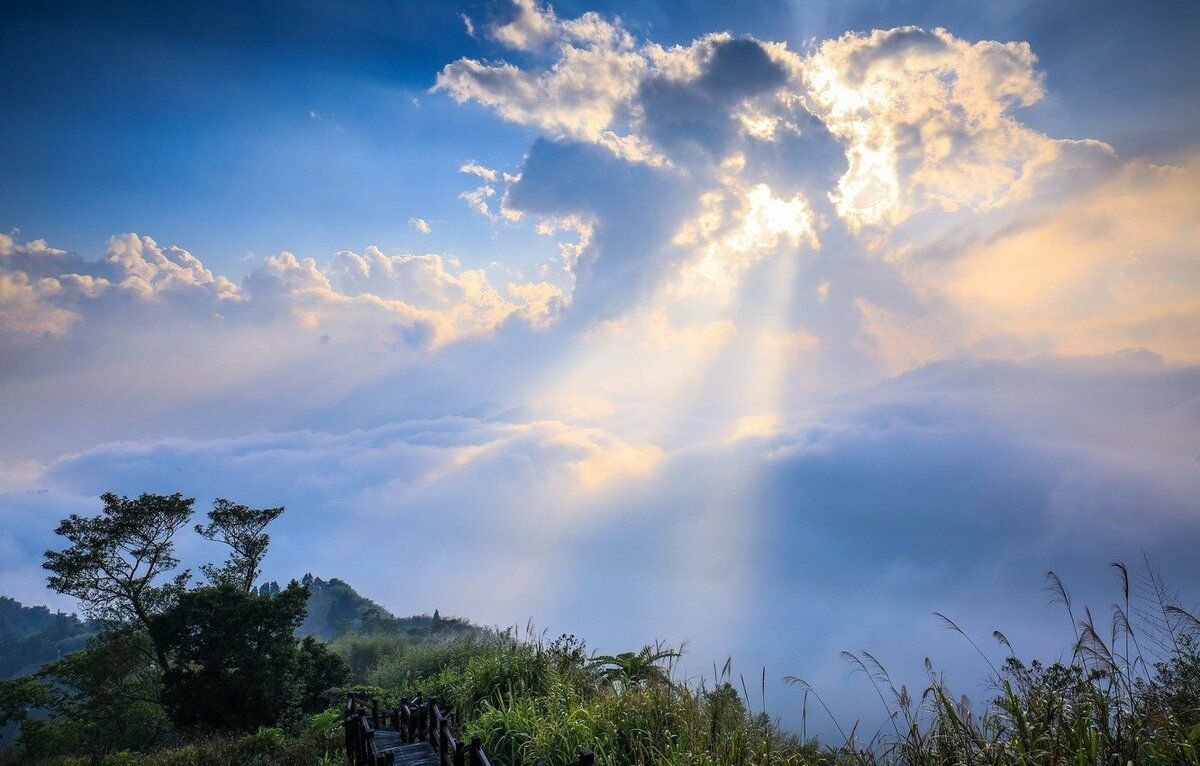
173,661
220,672
1130,694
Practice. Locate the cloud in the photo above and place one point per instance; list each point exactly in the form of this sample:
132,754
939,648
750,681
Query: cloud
405,289
475,169
420,225
1110,268
1107,268
925,120
729,242
477,200
702,105
581,97
528,27
148,336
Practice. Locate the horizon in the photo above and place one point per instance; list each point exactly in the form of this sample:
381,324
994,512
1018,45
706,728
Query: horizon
773,329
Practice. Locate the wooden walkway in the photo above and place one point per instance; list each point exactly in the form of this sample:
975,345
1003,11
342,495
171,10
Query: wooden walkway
414,733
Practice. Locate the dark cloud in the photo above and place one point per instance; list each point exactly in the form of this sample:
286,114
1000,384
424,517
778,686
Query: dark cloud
684,115
636,209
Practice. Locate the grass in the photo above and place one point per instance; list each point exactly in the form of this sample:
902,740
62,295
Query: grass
1130,694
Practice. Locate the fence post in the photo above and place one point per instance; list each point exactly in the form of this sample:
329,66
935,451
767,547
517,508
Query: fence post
351,740
460,753
433,732
476,751
587,757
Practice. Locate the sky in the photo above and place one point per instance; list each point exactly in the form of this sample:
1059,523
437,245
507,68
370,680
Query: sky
770,327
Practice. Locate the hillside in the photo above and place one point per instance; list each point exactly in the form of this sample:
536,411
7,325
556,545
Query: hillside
31,636
335,608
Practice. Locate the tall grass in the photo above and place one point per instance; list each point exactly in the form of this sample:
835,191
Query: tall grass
531,699
1129,694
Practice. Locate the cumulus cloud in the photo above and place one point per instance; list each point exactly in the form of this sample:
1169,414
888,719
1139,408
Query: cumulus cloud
420,225
475,169
582,96
643,102
528,27
730,241
925,120
46,291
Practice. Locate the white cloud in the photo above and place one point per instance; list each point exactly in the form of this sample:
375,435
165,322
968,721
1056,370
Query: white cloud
583,96
730,241
373,303
475,169
530,27
420,225
925,120
477,200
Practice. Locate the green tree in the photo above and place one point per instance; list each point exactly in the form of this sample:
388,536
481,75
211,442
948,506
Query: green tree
321,670
116,562
237,663
243,529
214,657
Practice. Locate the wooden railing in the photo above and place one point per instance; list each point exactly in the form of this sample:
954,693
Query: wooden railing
372,732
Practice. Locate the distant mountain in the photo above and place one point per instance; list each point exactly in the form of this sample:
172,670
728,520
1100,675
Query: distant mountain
31,636
335,608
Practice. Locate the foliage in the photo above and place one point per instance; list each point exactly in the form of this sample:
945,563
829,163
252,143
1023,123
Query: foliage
243,529
530,699
171,660
237,664
102,699
318,742
116,560
640,667
1128,695
223,660
321,672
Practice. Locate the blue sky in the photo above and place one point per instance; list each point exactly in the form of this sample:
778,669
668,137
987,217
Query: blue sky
770,326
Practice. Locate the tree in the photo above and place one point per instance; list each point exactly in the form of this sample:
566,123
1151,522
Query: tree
116,561
220,656
100,700
242,529
237,663
320,671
